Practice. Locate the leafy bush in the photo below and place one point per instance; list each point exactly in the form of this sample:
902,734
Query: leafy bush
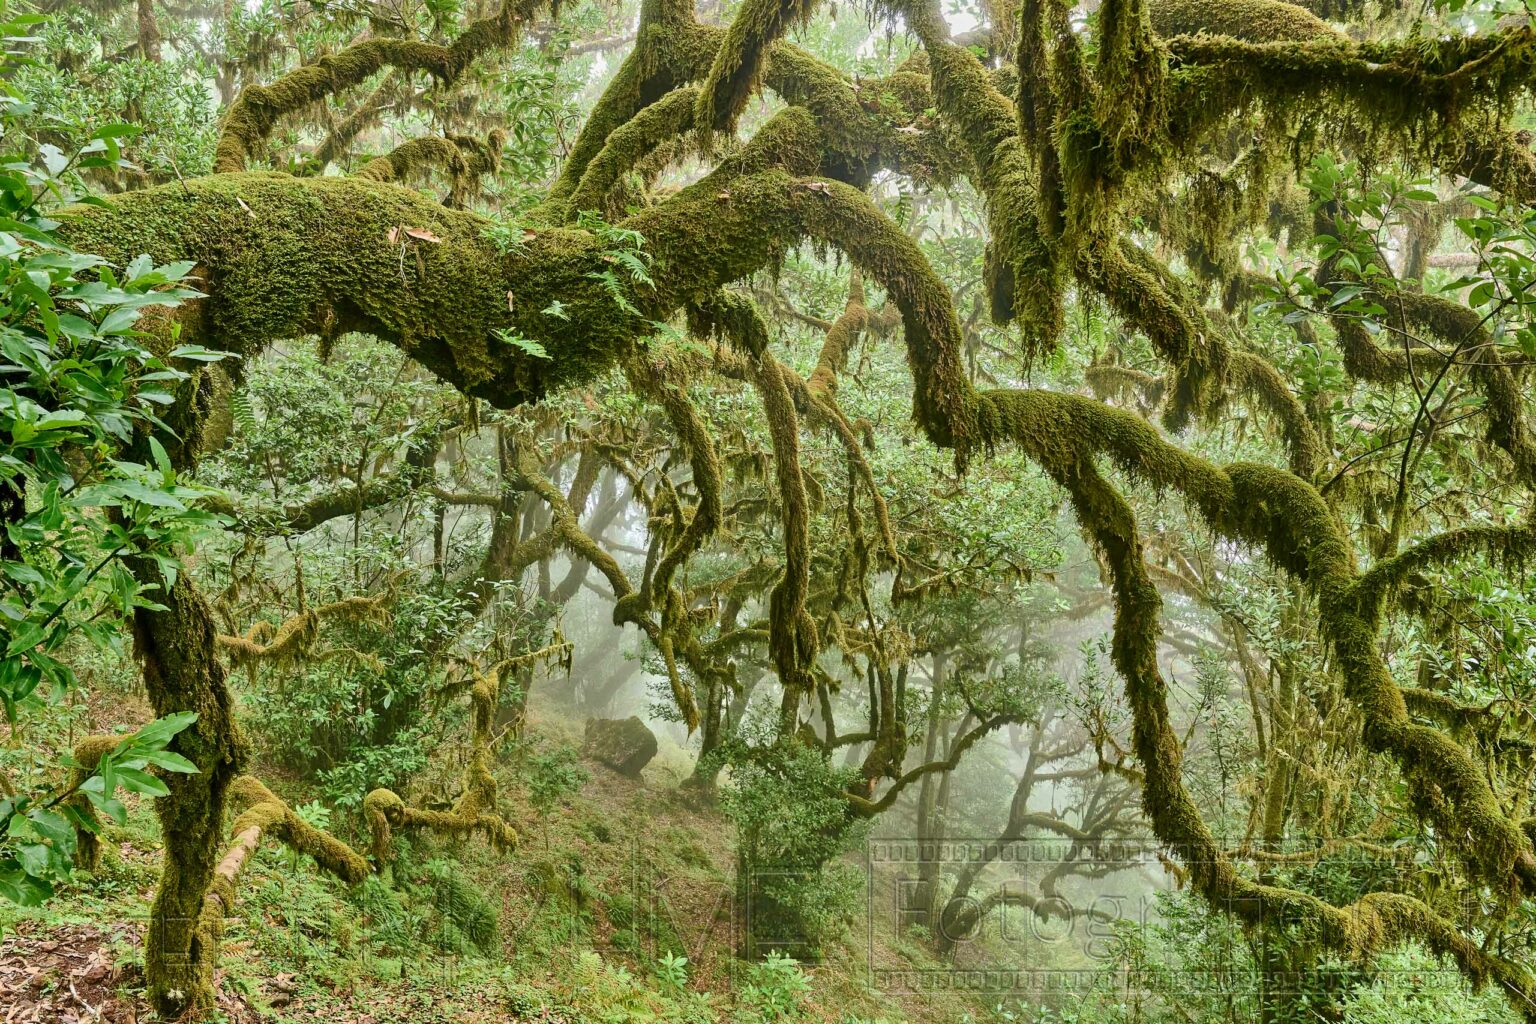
775,990
792,824
465,921
356,723
552,776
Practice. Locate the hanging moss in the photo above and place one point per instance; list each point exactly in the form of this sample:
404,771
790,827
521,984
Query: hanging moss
1509,547
255,112
1257,21
738,63
704,519
293,638
793,640
1416,91
463,158
1462,332
1147,296
1255,376
476,809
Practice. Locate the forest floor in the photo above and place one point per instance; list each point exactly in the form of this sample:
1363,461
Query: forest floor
602,891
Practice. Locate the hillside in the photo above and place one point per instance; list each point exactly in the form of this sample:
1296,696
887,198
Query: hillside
582,922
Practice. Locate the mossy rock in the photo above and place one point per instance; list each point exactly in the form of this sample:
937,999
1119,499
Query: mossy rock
625,745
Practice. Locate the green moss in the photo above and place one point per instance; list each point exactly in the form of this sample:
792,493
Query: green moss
176,647
463,158
671,49
628,144
475,810
1412,93
273,817
293,257
738,63
256,111
1257,21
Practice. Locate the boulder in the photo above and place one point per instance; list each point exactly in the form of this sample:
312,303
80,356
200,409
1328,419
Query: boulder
625,745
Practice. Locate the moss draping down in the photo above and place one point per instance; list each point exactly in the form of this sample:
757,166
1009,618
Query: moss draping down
1057,165
293,638
256,111
464,159
476,808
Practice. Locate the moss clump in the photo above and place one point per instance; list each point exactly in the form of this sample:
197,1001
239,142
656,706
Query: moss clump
738,63
266,643
258,108
293,257
463,158
1256,21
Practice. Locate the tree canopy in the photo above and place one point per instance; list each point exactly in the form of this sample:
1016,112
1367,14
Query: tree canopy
1129,395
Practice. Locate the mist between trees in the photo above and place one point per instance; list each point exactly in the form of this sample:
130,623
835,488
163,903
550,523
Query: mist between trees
767,510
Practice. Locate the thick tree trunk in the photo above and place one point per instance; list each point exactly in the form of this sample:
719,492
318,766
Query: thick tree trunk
182,672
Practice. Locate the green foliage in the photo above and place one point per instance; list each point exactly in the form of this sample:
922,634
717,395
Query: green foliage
792,823
77,385
38,830
553,776
775,989
464,920
522,344
624,251
1411,984
672,971
352,723
88,75
85,488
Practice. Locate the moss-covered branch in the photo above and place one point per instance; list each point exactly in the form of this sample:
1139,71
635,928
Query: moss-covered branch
464,159
476,809
256,111
265,815
866,808
293,637
738,64
1509,546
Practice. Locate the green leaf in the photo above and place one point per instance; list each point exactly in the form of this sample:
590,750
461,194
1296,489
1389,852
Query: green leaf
158,733
20,888
527,345
135,781
198,353
51,825
162,462
171,761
